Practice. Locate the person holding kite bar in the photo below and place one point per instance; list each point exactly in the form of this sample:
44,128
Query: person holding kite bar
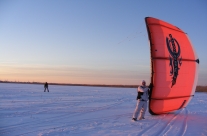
142,98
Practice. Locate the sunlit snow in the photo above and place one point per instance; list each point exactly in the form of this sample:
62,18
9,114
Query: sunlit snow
77,110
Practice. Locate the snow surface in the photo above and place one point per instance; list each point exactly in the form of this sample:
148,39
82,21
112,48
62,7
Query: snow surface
73,110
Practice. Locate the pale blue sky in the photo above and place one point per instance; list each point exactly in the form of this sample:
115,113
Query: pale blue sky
90,41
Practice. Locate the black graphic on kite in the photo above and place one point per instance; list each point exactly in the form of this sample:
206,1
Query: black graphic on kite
175,59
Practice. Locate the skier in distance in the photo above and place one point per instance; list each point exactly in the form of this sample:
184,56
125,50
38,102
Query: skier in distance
46,87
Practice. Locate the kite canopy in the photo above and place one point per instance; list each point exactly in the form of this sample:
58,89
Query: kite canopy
174,67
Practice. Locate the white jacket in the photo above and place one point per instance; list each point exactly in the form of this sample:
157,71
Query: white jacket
144,90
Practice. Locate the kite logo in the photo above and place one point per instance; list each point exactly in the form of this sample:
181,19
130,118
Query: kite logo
175,59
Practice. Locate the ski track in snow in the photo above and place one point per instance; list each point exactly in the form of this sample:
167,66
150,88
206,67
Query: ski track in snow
52,119
78,123
169,124
67,110
48,120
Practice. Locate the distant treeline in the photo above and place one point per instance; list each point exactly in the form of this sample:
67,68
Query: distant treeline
65,84
201,89
198,88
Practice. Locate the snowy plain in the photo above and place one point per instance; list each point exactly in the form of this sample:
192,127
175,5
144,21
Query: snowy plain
78,110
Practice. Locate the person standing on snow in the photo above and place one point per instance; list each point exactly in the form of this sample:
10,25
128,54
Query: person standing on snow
142,98
46,87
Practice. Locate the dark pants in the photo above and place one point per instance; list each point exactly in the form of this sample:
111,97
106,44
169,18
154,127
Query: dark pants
47,89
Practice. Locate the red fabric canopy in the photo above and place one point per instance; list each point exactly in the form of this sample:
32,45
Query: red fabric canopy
174,67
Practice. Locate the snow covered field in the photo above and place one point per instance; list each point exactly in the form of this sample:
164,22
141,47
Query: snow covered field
72,110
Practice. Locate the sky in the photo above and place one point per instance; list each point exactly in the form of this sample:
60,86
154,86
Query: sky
91,41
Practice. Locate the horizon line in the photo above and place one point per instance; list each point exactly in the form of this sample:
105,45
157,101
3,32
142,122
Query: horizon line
72,84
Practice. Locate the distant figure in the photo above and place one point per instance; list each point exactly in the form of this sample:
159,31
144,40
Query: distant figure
46,87
142,98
